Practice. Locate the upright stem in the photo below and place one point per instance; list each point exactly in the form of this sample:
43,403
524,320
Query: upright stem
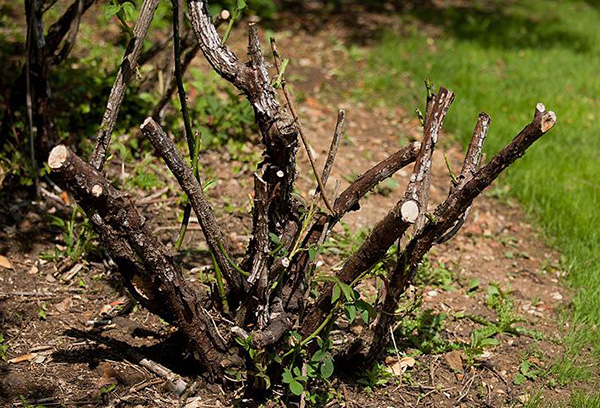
185,113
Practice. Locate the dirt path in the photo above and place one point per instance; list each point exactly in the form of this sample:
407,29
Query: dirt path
46,316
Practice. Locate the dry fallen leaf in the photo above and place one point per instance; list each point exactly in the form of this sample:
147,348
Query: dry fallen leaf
5,263
454,360
64,306
22,358
65,197
109,375
399,367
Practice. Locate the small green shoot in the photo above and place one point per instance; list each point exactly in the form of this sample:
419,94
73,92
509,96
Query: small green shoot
42,311
3,347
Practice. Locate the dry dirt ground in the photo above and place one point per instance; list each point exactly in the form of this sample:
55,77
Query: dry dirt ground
63,349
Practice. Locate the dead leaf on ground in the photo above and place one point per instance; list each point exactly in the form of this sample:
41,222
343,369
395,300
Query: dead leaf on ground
109,375
399,367
64,306
5,263
454,360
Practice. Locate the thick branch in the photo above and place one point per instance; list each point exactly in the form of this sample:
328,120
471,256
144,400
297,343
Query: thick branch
193,188
279,131
155,279
117,93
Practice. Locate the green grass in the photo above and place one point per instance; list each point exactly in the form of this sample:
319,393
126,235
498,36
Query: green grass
503,58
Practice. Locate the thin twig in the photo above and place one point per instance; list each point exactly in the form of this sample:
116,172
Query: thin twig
28,99
126,71
335,143
292,107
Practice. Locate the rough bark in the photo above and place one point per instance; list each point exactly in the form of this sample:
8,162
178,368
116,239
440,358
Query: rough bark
155,280
278,129
193,189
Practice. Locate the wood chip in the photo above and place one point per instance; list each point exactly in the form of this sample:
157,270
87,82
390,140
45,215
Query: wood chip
22,358
5,263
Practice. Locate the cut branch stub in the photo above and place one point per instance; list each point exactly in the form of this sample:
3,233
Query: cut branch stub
418,187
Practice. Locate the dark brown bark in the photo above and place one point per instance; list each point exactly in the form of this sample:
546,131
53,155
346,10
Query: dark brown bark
193,189
126,72
155,280
278,129
448,212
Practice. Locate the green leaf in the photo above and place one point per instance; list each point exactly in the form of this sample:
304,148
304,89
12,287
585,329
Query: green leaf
368,312
473,284
111,11
297,372
348,292
209,184
519,379
493,290
351,313
335,294
312,253
287,376
274,238
318,356
296,388
327,368
489,342
128,9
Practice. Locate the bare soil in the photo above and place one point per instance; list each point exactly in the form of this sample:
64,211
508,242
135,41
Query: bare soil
72,355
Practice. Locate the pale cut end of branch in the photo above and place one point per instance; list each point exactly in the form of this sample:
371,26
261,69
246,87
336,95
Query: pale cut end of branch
545,119
225,14
540,108
146,122
410,211
548,121
58,157
97,190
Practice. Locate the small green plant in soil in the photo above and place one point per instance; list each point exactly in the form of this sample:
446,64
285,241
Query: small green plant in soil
77,236
527,371
41,313
376,376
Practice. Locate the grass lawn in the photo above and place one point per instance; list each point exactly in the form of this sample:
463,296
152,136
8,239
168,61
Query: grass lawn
503,58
